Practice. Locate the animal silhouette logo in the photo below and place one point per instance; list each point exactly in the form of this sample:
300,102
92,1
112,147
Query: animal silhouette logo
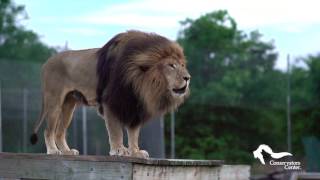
263,147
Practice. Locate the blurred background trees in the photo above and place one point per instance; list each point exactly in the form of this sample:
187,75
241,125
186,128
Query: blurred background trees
16,42
238,97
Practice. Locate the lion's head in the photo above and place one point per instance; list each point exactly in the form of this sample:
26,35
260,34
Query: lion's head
149,76
177,76
160,77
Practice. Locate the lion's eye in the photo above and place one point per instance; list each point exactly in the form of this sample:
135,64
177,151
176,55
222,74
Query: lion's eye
144,68
173,66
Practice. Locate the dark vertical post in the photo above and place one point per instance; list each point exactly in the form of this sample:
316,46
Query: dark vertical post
162,136
172,135
288,105
84,130
25,119
74,128
0,118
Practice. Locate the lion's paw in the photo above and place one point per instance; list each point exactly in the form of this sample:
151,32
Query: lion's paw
140,154
54,152
71,152
121,151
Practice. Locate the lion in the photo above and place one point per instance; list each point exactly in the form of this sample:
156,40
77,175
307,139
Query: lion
135,77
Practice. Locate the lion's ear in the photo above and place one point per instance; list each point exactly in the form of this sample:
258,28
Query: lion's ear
144,68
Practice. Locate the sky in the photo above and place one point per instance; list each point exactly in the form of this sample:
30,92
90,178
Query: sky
293,25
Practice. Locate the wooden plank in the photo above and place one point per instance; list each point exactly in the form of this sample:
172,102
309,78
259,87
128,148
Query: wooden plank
68,170
42,166
305,175
238,172
150,161
150,172
225,172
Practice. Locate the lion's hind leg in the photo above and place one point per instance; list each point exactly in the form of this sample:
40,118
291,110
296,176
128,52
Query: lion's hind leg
68,108
54,110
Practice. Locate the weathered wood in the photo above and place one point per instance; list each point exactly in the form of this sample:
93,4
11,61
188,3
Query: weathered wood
147,172
225,172
150,161
305,175
49,168
42,166
238,172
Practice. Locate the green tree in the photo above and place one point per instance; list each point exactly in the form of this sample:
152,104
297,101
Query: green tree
305,100
235,102
313,63
17,43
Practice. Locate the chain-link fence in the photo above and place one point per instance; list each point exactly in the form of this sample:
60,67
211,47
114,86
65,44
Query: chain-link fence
21,108
20,99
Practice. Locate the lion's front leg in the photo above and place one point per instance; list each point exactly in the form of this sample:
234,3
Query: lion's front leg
115,133
133,138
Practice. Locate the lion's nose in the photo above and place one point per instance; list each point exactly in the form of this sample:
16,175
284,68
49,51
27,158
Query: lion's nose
186,78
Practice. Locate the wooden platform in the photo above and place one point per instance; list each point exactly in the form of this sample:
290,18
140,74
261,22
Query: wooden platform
42,166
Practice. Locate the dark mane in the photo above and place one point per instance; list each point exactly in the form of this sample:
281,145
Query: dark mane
113,60
105,62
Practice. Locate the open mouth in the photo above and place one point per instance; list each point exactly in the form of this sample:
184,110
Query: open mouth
180,90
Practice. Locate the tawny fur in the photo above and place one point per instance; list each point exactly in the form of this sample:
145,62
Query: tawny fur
140,67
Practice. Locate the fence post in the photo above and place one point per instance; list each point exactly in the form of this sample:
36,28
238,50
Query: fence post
0,118
288,105
25,119
162,136
74,129
84,129
172,135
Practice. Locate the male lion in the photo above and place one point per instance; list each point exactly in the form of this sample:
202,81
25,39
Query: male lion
135,77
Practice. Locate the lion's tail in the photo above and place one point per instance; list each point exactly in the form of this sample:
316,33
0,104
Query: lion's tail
34,136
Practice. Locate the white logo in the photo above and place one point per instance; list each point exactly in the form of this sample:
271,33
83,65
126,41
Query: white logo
258,153
292,165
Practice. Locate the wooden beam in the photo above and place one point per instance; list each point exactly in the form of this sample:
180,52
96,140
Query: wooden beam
42,166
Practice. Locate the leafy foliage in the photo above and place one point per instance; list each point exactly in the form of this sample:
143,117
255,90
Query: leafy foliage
305,100
16,43
238,98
